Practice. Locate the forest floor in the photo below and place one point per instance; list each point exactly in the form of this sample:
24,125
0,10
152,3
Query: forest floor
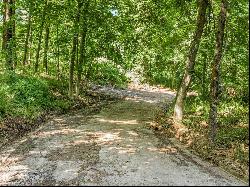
111,146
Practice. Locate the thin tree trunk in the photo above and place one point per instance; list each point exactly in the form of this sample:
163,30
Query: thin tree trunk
186,80
74,50
46,48
82,51
26,47
30,47
215,77
9,32
40,36
13,50
204,73
58,52
81,60
6,19
72,64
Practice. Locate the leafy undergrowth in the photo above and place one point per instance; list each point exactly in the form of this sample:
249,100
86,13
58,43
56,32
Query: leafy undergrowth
28,101
106,73
231,148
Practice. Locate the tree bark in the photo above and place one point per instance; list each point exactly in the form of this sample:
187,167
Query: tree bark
26,47
204,76
40,36
186,80
82,51
58,52
8,46
30,47
72,65
215,77
81,60
46,48
74,50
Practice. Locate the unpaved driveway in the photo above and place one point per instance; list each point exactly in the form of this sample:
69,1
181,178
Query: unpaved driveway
112,147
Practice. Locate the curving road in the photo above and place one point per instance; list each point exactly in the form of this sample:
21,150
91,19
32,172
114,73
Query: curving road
111,147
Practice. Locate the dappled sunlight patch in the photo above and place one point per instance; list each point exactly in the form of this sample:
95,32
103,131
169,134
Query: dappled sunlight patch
130,139
119,122
127,150
58,132
77,142
66,171
139,99
38,152
107,137
5,155
85,151
167,149
56,94
133,133
124,150
13,173
59,120
6,159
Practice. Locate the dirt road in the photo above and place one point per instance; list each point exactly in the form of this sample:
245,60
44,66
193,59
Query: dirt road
111,147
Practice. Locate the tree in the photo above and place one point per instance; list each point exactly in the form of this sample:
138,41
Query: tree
215,77
83,34
46,48
186,80
74,48
8,43
27,40
40,35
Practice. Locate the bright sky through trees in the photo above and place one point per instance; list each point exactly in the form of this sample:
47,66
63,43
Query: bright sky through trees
114,12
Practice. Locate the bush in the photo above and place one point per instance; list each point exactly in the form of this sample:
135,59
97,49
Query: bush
29,97
107,73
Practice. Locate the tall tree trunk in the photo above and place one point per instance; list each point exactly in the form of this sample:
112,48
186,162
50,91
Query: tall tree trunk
83,34
204,74
74,50
186,80
40,36
58,52
8,46
30,47
81,60
72,65
46,48
13,50
215,90
26,47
